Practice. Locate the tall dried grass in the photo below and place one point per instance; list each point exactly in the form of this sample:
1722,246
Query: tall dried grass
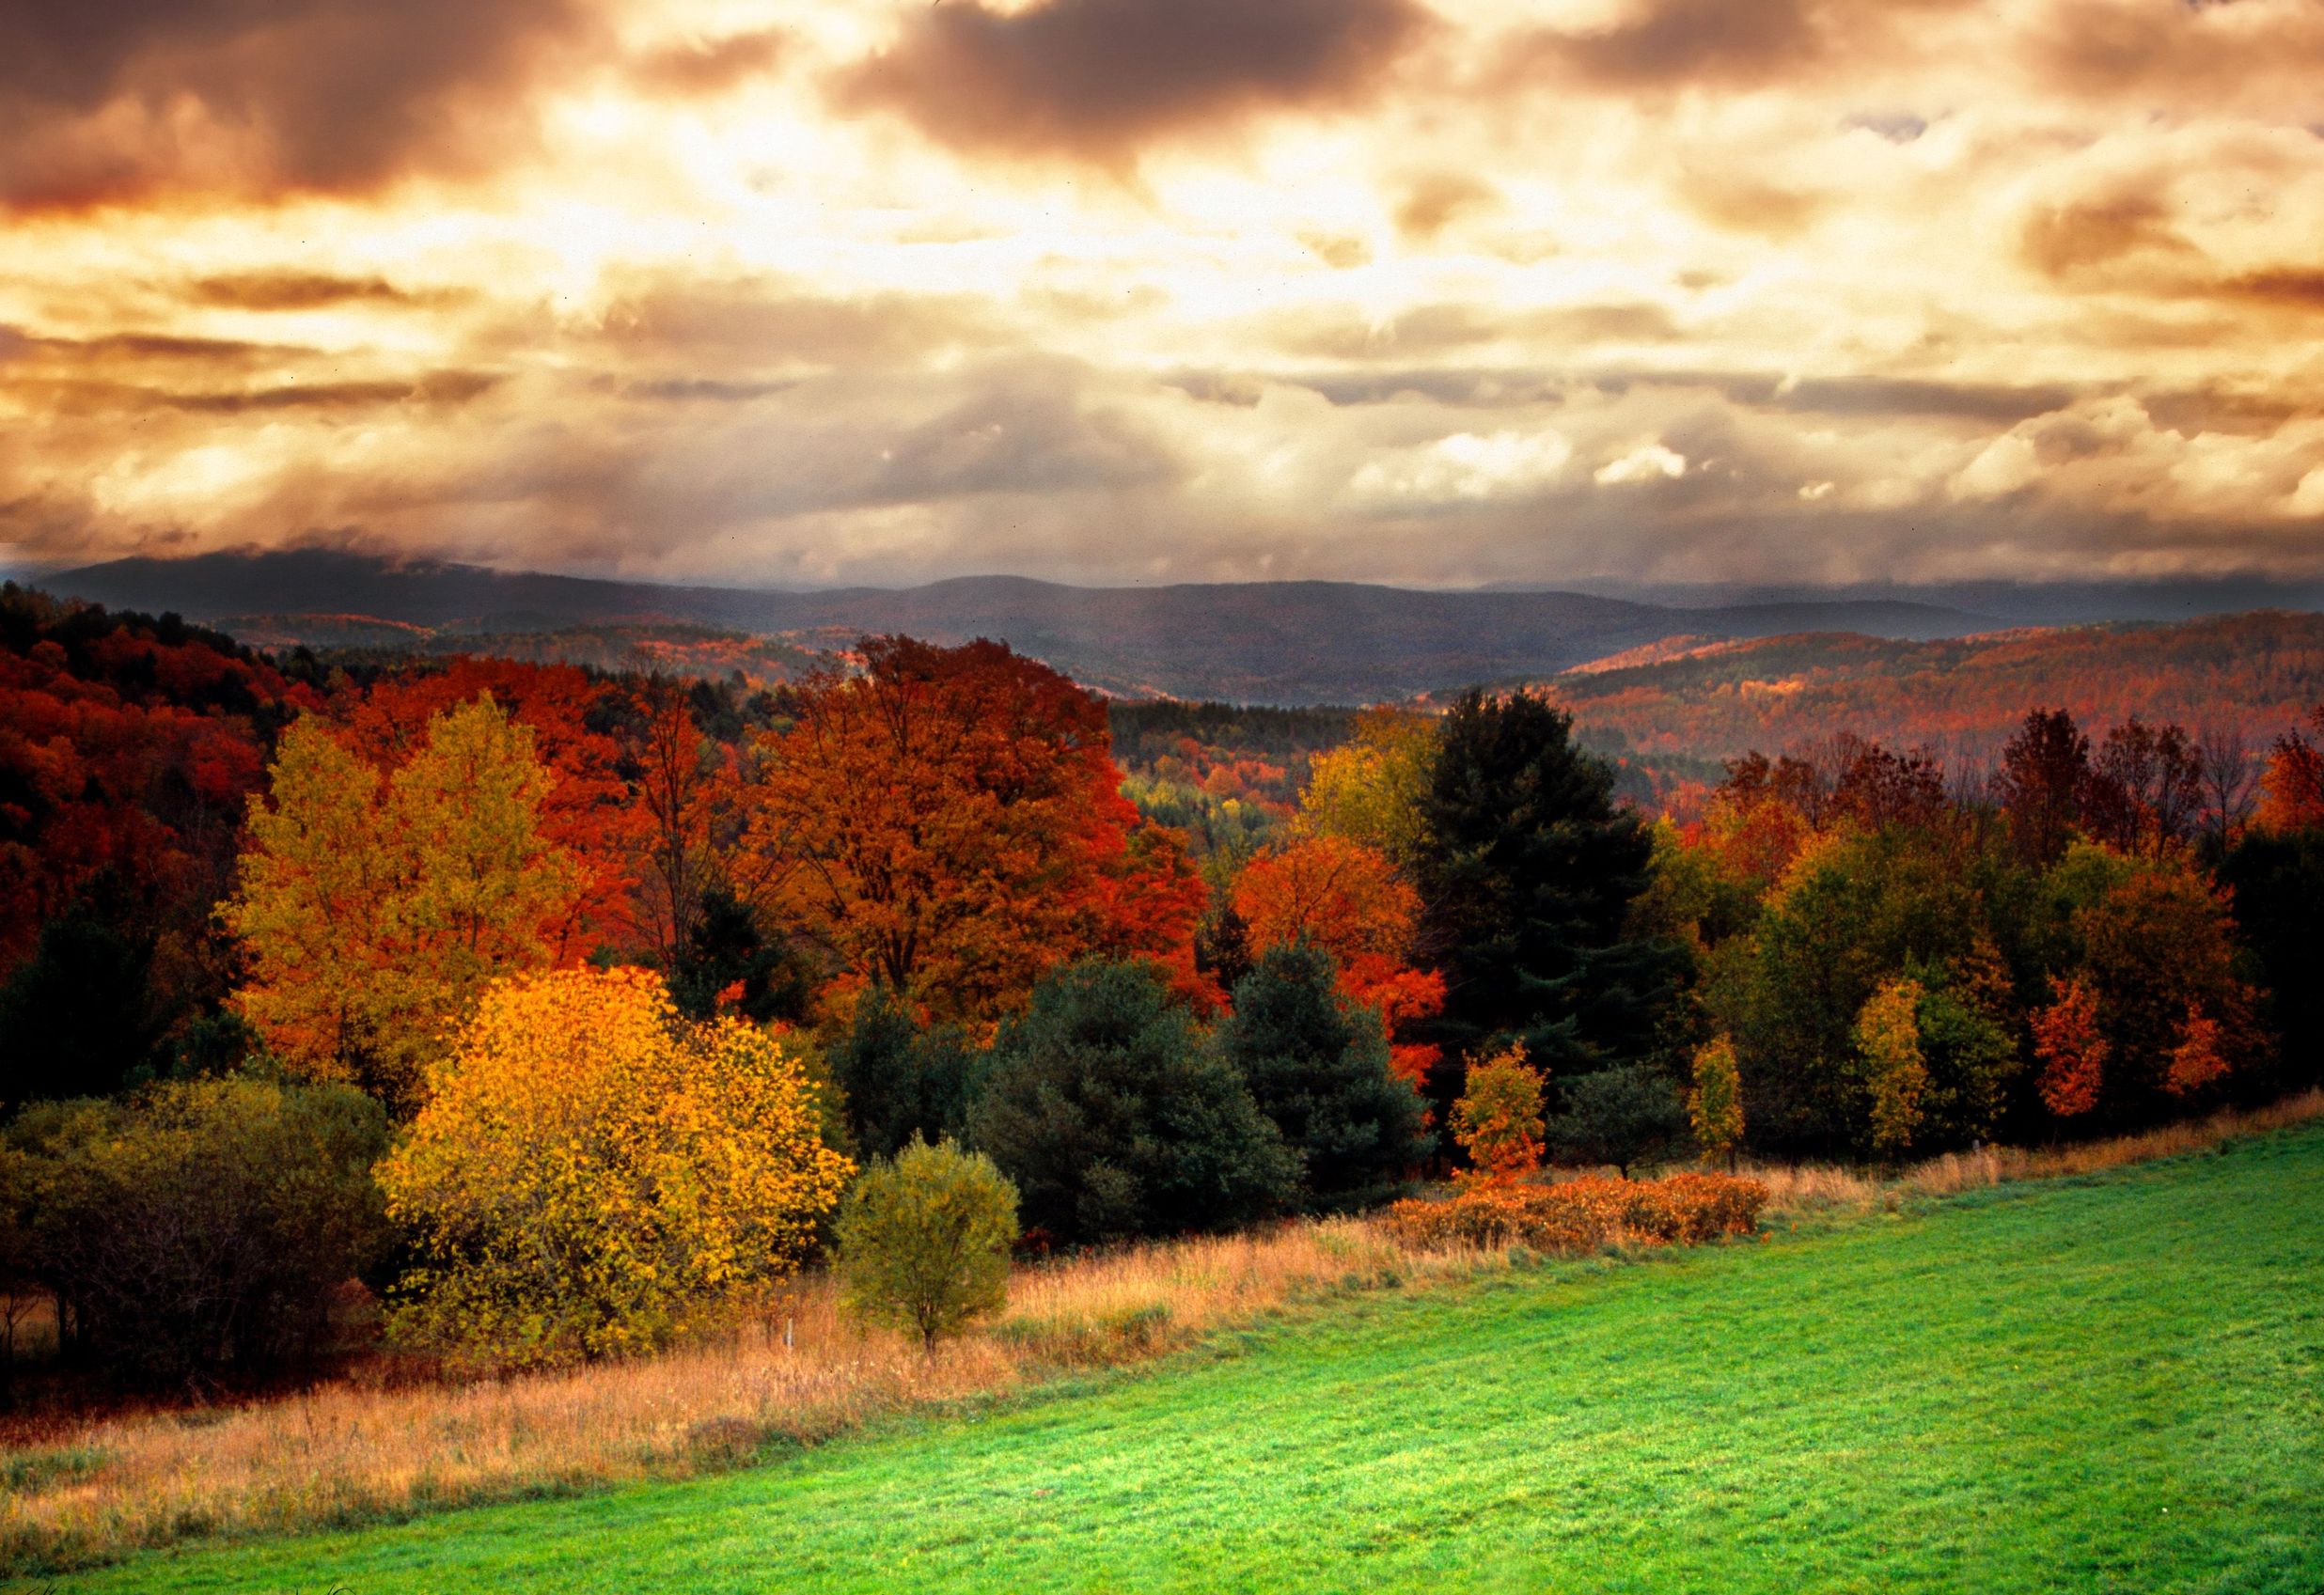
799,1371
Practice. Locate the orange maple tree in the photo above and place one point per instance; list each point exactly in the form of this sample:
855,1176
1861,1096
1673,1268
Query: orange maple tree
2071,1047
950,823
1347,897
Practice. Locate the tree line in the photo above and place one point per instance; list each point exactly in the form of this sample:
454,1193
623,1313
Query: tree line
573,1004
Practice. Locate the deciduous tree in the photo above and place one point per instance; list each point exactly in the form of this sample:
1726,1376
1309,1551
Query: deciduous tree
924,1240
949,824
1498,1120
592,1171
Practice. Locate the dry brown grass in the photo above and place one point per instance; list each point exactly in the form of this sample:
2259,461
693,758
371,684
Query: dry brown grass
344,1453
347,1452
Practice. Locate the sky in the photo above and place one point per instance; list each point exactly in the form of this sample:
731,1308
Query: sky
1463,291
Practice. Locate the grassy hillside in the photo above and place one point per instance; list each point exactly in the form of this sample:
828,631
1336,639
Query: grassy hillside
2114,1382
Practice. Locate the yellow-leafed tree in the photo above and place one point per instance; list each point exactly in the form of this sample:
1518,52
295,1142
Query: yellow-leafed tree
1887,1040
376,911
592,1172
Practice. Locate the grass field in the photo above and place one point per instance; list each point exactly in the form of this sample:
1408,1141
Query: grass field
2107,1382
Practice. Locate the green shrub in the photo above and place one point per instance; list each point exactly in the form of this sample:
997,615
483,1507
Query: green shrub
924,1240
202,1226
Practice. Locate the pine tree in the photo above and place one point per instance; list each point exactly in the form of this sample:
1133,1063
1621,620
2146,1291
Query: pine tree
1319,1068
1528,871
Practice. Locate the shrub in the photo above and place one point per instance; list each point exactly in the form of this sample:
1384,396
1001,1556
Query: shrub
591,1169
1320,1070
1581,1215
199,1227
924,1240
1114,1120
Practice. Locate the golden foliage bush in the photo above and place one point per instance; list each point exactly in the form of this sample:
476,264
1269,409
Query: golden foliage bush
591,1170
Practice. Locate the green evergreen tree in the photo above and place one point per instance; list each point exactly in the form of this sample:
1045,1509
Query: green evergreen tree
1320,1071
1528,871
899,1080
1115,1120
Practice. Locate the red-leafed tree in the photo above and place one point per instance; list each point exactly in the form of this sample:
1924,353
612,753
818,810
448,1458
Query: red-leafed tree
2071,1047
949,824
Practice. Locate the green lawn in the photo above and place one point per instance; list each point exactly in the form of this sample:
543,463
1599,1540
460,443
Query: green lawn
2110,1383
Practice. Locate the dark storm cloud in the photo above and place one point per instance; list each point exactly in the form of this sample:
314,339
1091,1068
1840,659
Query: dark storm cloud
73,395
116,102
2062,240
442,388
1027,429
2108,48
1437,199
2289,288
1097,79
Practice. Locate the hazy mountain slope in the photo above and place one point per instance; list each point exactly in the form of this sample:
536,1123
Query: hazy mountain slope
1280,642
2257,673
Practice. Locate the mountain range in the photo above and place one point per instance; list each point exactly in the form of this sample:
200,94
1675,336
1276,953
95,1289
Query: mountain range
1261,642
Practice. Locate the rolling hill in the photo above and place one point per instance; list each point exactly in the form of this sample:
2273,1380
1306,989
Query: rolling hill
1271,642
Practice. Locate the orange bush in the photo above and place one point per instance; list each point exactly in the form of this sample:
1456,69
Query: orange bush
1581,1215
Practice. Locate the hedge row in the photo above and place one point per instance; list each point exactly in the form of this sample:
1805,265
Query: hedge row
1582,1214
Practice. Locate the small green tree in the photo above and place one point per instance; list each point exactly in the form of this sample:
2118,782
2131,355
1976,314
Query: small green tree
1716,1103
1622,1116
924,1240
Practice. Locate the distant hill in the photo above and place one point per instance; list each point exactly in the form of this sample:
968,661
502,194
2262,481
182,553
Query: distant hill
1269,642
2257,673
670,647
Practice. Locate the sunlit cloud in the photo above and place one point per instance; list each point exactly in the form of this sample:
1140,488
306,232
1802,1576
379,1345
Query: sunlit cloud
1119,290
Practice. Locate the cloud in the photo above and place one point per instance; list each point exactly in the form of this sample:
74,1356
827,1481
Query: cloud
2064,241
291,291
701,69
1345,333
1466,467
1437,199
1668,42
748,324
1099,80
259,98
1647,462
